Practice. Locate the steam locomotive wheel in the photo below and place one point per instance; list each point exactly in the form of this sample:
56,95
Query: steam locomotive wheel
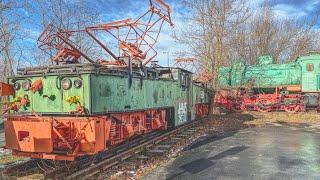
263,106
292,108
238,107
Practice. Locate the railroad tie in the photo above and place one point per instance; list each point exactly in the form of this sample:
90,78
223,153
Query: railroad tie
191,130
156,151
182,135
175,139
142,157
163,146
125,157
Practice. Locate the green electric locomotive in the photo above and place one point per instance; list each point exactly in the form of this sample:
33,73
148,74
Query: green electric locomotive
84,108
70,108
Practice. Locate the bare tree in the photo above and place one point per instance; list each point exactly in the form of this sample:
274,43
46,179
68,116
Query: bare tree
265,34
66,15
8,30
211,23
222,31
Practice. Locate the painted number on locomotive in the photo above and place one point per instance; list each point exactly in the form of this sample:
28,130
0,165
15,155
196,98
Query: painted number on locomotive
182,112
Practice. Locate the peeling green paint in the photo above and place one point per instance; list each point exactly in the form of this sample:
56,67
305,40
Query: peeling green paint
267,75
104,93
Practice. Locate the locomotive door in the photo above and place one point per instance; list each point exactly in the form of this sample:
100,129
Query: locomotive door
318,81
184,109
310,76
189,97
318,76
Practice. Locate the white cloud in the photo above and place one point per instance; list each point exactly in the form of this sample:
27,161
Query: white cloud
311,5
288,11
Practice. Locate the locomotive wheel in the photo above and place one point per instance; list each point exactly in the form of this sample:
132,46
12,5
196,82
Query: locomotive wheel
238,107
263,106
292,108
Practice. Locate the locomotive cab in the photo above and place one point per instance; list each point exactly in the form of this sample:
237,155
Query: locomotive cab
310,78
310,73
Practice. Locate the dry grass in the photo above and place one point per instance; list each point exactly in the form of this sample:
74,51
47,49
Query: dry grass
8,159
260,119
33,176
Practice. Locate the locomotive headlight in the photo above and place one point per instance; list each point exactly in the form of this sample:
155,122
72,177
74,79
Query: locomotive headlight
16,86
66,83
26,85
77,83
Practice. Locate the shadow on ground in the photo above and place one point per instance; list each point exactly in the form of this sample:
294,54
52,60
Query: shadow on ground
202,164
226,126
209,139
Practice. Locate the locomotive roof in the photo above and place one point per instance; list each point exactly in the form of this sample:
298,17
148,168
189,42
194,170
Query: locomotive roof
170,68
308,56
82,68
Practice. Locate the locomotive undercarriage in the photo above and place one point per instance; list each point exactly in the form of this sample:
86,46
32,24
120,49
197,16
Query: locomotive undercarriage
64,138
280,100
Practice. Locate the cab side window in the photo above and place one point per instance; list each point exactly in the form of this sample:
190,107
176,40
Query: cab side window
185,80
309,67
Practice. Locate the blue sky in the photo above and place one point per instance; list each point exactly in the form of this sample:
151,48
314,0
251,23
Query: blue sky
119,9
111,10
296,8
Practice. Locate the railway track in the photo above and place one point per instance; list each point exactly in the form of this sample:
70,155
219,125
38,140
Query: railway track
88,167
19,169
176,136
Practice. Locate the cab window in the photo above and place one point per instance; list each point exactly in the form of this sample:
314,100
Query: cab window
309,67
184,80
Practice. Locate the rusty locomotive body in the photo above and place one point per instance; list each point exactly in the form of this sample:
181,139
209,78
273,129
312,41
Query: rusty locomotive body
70,108
266,86
62,112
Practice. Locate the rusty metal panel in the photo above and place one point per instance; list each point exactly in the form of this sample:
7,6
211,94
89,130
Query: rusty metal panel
47,100
104,93
73,91
200,96
52,98
6,89
28,136
112,93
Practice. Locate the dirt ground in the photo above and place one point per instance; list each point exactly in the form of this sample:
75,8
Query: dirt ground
235,122
274,145
225,123
260,119
257,119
